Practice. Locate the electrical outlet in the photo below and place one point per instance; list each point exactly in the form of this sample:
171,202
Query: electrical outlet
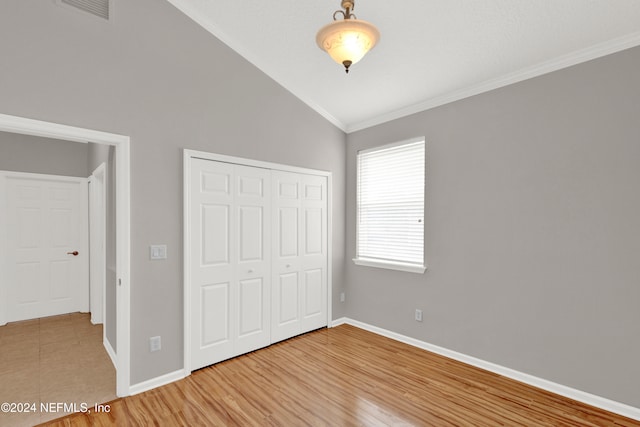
155,344
418,315
342,297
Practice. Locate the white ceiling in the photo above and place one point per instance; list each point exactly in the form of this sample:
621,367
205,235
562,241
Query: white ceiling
431,51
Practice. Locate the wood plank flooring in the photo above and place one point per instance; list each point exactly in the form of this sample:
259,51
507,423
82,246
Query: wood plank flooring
345,376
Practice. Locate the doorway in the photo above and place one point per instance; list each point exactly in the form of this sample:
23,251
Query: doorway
20,125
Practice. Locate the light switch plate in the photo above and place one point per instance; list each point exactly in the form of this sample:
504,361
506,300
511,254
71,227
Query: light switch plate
155,344
158,252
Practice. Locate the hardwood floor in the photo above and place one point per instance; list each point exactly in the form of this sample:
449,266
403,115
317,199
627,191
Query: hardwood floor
345,376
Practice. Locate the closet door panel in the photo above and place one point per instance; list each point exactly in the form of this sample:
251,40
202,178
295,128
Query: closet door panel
215,301
212,270
286,313
288,231
251,307
313,292
313,259
215,227
230,262
288,301
251,225
253,266
300,254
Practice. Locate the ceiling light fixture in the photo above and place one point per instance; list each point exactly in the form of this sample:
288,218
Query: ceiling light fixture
347,40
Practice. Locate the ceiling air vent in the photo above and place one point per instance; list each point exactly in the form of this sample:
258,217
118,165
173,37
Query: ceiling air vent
98,8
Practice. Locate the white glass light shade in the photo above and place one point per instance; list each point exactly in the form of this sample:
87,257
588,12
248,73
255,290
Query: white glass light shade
348,39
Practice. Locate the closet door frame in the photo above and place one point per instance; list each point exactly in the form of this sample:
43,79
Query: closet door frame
187,156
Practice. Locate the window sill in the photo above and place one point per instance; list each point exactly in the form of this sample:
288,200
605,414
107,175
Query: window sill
411,268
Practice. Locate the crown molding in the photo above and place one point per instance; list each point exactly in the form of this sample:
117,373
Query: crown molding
203,20
564,61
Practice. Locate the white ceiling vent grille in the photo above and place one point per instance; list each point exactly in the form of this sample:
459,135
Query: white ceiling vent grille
98,8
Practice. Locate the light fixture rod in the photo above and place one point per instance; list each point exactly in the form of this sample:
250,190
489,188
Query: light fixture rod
348,6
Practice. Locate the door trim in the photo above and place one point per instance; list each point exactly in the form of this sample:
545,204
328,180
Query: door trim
97,244
186,168
25,126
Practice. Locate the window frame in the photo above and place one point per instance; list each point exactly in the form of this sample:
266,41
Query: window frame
388,264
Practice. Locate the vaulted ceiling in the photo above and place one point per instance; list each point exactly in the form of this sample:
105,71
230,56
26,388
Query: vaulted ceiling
431,51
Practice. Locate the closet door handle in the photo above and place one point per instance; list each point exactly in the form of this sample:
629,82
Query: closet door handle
74,253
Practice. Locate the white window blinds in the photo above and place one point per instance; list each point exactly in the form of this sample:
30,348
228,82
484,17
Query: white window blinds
391,204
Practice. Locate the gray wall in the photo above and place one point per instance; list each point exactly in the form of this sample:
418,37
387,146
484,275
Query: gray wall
532,229
156,76
98,154
24,153
532,203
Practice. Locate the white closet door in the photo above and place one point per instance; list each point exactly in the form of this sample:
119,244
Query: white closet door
230,241
286,266
212,250
253,267
299,272
313,248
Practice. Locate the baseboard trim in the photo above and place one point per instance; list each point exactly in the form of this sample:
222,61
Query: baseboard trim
111,352
562,390
340,321
157,382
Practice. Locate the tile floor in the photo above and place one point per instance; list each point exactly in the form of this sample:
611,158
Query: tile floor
54,359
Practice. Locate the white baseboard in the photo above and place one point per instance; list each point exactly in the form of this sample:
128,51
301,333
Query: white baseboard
157,382
110,352
341,321
580,396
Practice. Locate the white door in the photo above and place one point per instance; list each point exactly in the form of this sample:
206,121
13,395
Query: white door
46,259
314,252
299,268
287,216
230,260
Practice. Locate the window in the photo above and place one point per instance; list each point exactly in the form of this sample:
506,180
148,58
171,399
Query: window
390,197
